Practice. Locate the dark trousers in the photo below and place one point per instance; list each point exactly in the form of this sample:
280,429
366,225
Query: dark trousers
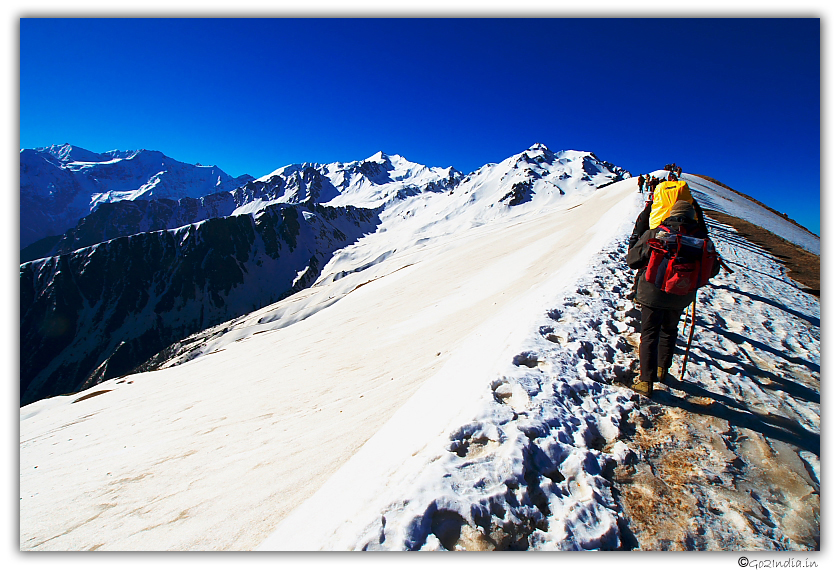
659,340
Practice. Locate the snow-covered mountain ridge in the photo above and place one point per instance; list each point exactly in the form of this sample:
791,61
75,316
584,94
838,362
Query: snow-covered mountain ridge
372,183
712,196
450,381
366,184
411,222
369,183
414,201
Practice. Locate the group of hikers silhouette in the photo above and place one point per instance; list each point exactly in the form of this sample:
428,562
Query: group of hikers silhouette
673,255
648,183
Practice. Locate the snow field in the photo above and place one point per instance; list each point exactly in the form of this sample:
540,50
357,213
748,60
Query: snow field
534,467
223,447
402,447
527,471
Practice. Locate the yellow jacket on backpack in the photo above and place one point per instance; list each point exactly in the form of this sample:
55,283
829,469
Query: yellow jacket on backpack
664,196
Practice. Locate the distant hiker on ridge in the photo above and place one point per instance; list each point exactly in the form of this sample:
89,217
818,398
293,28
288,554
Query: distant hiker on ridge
664,288
654,181
641,182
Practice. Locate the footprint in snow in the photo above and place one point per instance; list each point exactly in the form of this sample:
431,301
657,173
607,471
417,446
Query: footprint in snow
513,395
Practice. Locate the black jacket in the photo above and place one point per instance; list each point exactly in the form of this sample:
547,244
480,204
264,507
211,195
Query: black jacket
638,256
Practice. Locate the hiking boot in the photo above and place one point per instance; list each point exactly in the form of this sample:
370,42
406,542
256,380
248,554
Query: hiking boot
642,387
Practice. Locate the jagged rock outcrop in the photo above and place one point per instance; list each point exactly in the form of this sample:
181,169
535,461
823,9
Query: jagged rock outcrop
100,311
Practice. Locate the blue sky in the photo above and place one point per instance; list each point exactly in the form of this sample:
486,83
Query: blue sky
736,99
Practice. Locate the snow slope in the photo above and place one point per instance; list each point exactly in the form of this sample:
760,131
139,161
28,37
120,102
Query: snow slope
530,464
447,383
102,311
714,197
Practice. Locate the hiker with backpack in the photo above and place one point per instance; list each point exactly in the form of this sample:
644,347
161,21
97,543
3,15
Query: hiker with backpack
641,183
654,183
674,257
646,187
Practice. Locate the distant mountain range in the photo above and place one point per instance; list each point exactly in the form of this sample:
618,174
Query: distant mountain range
130,252
158,206
61,184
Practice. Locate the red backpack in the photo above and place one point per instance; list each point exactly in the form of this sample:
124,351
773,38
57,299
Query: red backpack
679,263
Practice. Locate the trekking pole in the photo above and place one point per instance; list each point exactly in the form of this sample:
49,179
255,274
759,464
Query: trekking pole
690,336
685,321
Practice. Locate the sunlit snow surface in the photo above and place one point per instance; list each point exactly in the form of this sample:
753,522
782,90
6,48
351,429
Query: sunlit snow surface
527,466
714,197
450,372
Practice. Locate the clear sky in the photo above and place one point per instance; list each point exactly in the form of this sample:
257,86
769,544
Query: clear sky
735,99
